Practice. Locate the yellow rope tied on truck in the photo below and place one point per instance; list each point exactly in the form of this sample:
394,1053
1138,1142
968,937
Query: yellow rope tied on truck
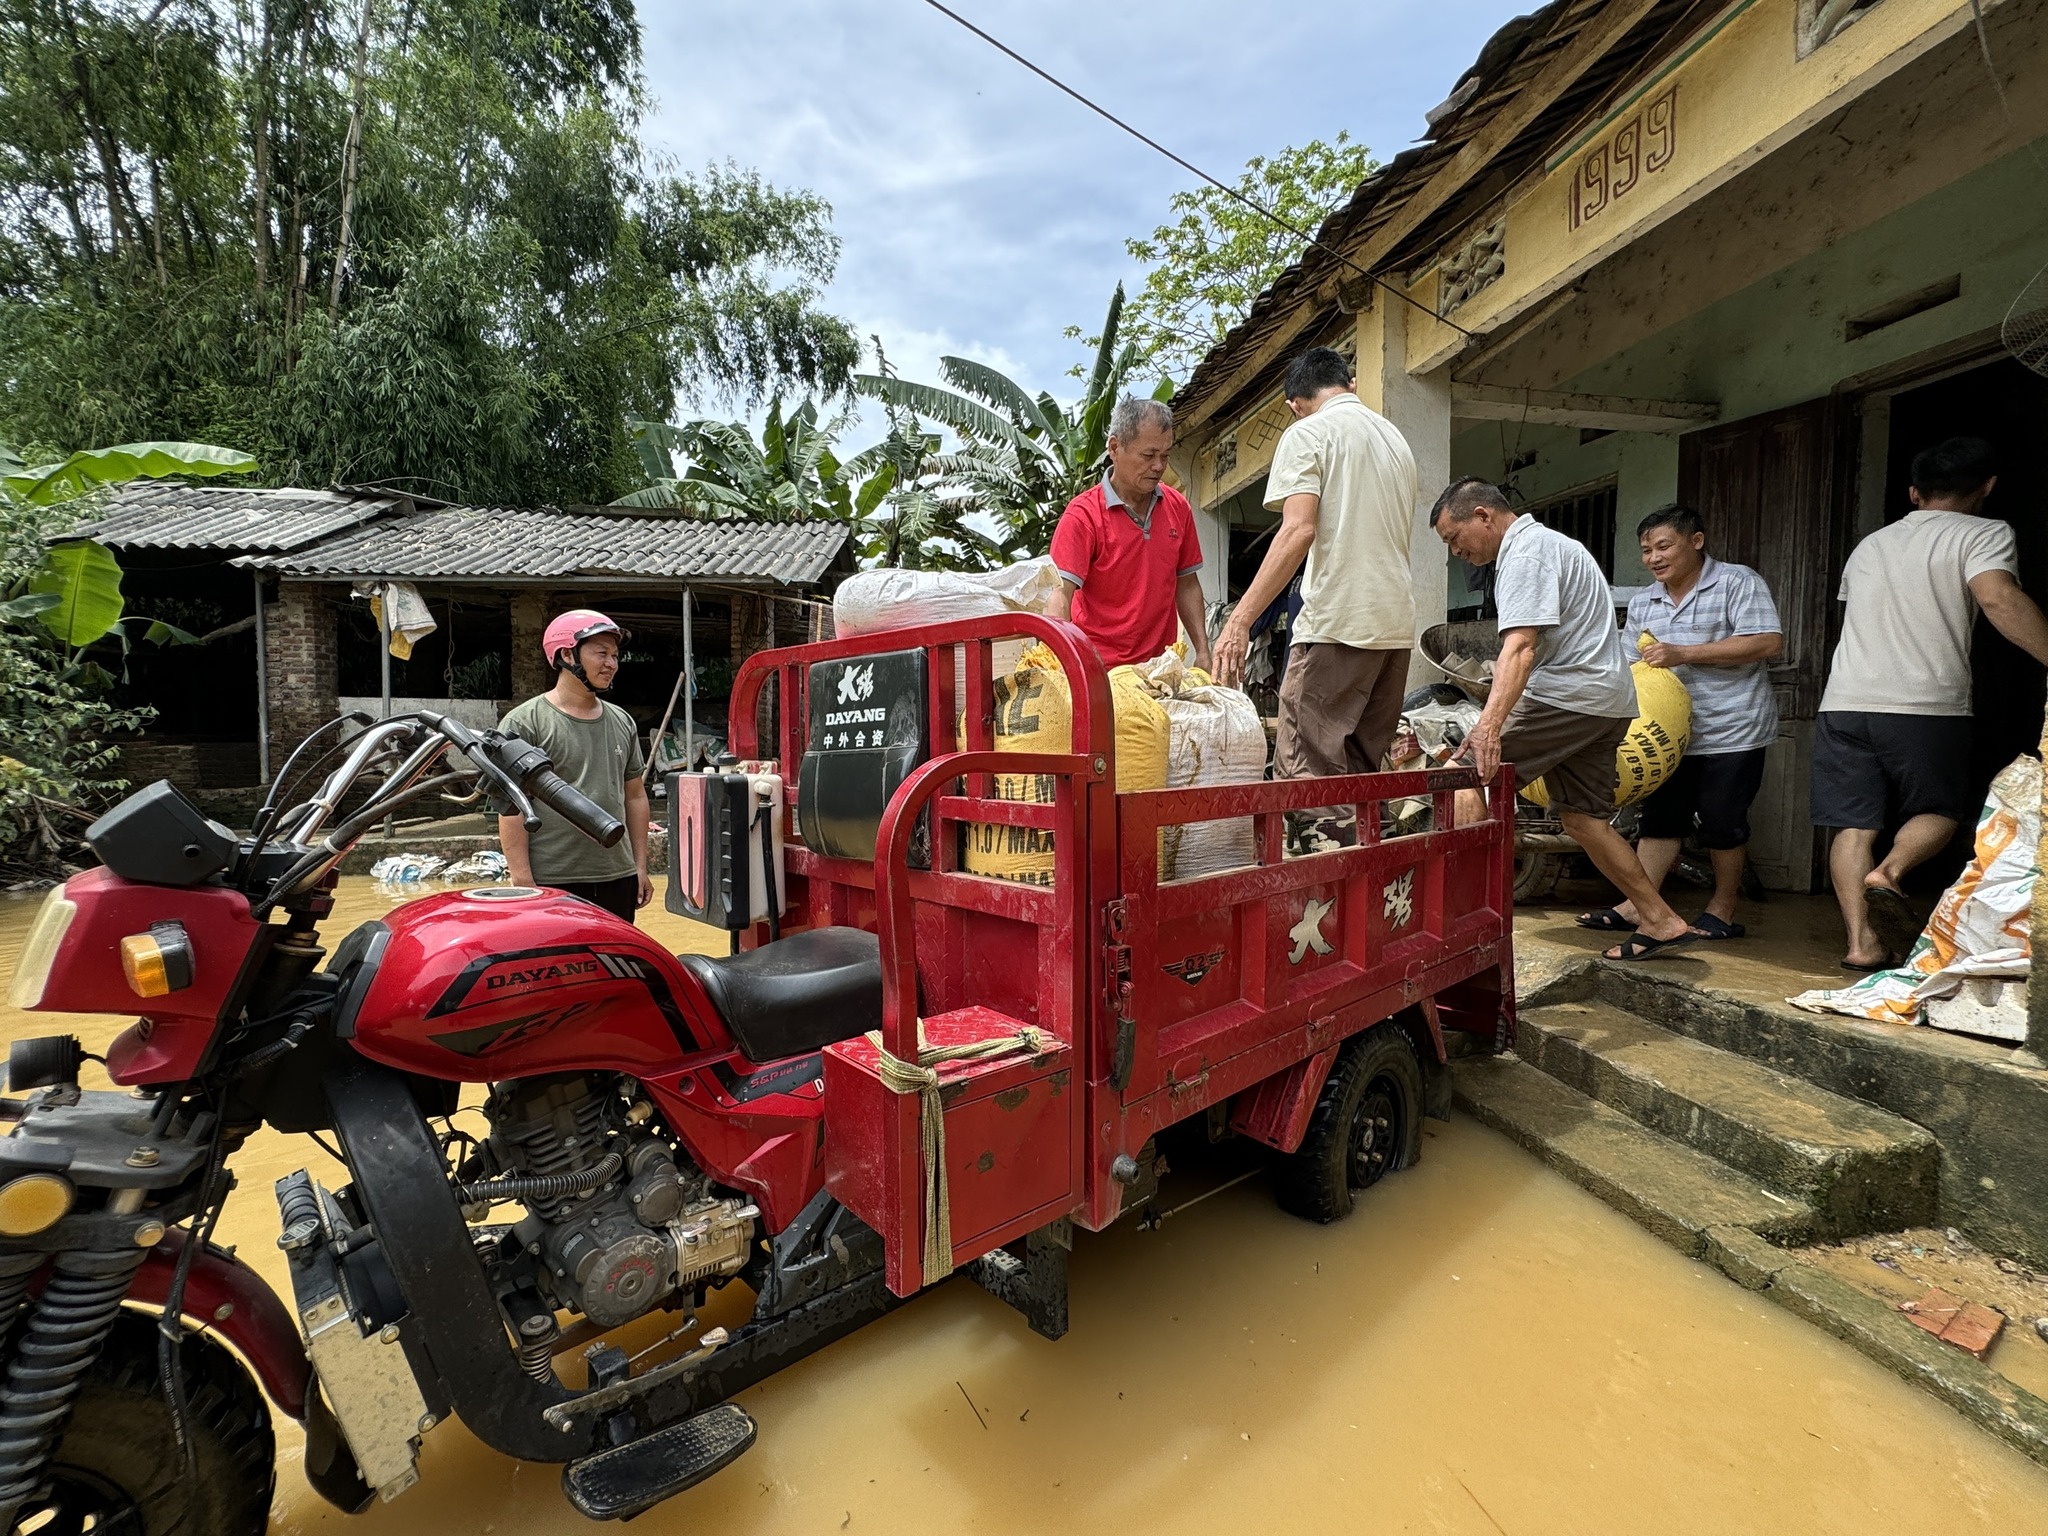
921,1078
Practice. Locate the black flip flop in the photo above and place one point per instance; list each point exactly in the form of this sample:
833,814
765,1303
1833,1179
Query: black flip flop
1640,946
1609,920
1891,918
1714,931
1887,964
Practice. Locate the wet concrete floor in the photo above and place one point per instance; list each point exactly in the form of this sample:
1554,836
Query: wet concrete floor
1482,1348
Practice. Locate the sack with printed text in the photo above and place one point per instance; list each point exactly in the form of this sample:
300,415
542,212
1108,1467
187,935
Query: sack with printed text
1034,712
1968,969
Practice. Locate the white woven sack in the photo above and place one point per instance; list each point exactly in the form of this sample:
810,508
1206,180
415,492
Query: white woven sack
1215,737
891,599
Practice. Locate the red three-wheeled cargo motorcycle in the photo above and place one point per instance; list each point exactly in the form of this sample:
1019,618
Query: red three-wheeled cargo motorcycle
904,1070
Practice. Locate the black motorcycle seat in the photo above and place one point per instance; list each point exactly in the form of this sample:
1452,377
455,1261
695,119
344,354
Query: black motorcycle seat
796,994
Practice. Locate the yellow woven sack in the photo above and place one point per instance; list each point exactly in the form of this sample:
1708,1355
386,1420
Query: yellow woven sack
1656,739
1035,713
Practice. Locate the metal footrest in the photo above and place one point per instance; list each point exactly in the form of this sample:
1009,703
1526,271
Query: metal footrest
631,1479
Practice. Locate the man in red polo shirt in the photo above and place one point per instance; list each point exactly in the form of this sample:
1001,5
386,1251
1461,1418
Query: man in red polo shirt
1126,549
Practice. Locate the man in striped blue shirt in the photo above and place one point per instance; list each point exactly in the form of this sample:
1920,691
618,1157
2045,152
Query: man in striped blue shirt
1714,624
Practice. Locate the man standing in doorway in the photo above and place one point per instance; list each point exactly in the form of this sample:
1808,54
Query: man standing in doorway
1343,482
1892,745
1716,626
596,747
1126,550
1562,695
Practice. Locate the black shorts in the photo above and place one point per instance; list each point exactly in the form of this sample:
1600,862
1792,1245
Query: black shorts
620,897
1879,771
1713,792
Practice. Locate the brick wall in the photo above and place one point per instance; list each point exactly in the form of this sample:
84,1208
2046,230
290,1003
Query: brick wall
299,652
531,673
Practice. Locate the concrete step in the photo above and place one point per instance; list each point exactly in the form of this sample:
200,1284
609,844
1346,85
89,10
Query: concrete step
1675,1192
1861,1168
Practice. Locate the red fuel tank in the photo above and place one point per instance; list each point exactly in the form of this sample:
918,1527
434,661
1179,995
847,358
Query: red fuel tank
483,985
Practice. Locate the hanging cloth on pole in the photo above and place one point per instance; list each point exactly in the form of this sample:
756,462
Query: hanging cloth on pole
411,620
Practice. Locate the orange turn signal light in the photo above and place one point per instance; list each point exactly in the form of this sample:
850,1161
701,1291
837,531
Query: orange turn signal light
33,1203
158,961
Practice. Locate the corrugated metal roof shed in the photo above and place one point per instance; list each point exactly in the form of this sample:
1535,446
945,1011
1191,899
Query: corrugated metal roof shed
509,546
171,516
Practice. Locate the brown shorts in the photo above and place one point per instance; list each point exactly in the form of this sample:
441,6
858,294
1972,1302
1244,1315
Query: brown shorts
1572,753
1339,707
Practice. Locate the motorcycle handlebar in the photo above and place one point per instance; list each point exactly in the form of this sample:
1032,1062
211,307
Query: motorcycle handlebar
525,773
576,808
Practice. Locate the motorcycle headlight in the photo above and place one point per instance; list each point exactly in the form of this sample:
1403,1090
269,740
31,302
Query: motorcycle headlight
39,955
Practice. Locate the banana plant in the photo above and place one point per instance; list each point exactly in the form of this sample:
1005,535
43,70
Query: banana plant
1021,457
75,590
51,483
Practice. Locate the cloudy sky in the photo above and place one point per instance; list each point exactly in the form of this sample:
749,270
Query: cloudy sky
981,212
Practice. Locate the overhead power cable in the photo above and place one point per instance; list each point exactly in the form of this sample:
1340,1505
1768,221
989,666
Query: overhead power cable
1196,171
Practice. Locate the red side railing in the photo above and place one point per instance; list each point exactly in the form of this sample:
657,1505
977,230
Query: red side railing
961,725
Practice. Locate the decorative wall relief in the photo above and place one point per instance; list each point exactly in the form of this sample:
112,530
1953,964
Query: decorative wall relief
1821,21
1475,265
1642,144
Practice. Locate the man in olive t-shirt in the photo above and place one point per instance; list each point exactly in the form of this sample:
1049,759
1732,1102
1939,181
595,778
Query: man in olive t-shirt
596,747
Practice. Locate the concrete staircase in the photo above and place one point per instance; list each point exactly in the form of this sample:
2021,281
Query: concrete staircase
1687,1136
1698,1132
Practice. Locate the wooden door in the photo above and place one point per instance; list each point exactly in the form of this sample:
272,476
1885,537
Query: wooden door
1767,490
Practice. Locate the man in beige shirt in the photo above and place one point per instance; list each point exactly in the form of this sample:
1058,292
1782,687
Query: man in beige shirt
1343,481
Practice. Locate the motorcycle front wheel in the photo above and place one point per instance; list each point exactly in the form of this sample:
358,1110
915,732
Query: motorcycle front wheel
119,1471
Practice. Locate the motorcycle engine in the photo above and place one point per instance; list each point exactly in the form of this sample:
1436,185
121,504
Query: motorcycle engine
619,1224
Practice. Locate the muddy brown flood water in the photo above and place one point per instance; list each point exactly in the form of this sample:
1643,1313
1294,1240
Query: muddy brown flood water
1482,1348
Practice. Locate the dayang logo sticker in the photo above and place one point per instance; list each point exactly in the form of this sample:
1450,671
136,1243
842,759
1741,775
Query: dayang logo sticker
515,980
502,978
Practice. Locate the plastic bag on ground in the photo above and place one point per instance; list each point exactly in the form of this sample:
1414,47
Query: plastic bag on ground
406,868
1977,947
485,865
1035,713
1214,737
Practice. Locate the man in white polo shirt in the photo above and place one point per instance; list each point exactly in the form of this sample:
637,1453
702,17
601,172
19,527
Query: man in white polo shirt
1892,745
1562,695
1343,482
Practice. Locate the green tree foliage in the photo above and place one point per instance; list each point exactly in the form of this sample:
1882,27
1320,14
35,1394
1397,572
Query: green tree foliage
1020,457
411,242
58,597
1217,256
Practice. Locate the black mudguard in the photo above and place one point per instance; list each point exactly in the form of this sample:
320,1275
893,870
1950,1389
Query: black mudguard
453,1320
453,1329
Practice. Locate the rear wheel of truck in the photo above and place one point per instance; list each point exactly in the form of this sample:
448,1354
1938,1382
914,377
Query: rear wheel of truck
1367,1124
119,1468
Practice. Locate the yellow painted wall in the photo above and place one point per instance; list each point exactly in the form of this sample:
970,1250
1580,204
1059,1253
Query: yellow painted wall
1735,93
